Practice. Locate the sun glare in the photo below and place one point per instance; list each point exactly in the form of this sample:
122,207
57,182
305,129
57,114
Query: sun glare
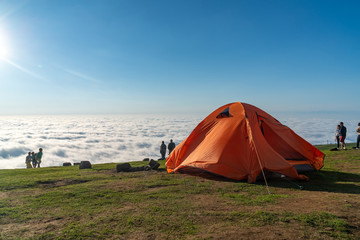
4,46
3,51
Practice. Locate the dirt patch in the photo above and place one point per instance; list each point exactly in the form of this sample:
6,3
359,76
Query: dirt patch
31,229
155,188
145,236
60,183
305,202
219,231
3,195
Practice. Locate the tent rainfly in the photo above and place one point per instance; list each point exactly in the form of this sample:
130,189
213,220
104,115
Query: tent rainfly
239,141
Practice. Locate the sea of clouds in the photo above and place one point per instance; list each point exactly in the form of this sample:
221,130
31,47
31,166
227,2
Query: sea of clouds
121,138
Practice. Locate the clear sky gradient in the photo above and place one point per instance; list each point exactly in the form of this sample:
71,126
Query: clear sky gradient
90,57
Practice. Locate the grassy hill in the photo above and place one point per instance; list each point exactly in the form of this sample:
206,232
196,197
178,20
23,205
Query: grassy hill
68,203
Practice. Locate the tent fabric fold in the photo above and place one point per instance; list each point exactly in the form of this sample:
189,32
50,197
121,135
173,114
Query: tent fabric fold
238,141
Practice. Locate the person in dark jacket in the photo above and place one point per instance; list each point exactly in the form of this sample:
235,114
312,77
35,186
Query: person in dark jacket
358,137
337,136
171,146
163,150
342,135
33,158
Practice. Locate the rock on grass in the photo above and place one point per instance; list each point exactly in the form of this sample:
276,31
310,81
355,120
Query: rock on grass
85,165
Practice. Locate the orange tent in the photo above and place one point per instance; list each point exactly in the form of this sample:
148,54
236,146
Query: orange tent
238,141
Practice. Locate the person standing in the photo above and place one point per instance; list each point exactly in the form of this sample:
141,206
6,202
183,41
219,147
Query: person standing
342,135
39,156
28,160
33,159
337,136
163,150
171,146
358,137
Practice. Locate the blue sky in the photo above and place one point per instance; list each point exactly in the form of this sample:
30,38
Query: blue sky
89,57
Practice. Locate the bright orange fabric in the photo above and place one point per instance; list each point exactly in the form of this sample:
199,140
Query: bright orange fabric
240,145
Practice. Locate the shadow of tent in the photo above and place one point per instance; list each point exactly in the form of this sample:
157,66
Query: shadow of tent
324,181
161,169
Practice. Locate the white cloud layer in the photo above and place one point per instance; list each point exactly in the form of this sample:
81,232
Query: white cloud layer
102,139
98,139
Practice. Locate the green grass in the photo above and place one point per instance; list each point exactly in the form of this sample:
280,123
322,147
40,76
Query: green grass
252,200
68,203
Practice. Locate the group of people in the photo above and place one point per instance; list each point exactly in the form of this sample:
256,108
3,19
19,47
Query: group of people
170,146
33,160
340,135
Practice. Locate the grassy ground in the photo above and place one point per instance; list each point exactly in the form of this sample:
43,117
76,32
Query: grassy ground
68,203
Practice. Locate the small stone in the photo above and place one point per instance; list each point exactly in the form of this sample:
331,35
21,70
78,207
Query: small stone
123,167
85,165
135,169
146,159
138,169
65,164
154,165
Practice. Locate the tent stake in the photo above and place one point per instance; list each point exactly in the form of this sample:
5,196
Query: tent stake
299,186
